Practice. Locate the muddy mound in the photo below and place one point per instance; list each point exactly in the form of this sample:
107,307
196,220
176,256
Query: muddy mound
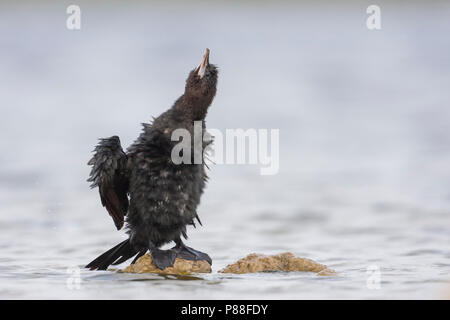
286,262
145,265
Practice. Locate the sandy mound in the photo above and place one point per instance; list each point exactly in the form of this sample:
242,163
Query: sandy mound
281,262
286,262
145,265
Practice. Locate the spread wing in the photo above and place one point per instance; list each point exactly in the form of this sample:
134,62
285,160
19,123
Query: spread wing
109,173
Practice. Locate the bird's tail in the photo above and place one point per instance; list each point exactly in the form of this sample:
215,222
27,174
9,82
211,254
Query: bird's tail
120,253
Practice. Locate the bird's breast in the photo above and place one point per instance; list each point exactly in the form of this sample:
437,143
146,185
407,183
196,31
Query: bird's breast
169,190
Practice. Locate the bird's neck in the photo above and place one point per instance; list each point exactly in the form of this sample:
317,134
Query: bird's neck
192,107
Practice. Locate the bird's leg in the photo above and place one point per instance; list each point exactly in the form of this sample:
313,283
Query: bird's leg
162,258
187,253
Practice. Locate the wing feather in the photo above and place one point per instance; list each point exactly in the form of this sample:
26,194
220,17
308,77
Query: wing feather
109,173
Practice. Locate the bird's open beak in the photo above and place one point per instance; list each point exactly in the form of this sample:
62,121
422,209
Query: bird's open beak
203,64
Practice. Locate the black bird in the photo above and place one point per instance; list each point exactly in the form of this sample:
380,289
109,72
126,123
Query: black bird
158,197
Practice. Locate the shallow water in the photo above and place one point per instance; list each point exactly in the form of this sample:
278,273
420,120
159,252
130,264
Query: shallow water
363,115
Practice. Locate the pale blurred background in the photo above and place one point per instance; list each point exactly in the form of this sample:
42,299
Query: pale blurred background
364,119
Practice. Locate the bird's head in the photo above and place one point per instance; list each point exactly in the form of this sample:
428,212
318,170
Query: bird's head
201,83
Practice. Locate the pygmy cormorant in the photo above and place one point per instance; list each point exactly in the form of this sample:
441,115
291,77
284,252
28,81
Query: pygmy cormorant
158,197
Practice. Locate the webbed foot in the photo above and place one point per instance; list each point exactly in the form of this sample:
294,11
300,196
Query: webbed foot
188,253
163,258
